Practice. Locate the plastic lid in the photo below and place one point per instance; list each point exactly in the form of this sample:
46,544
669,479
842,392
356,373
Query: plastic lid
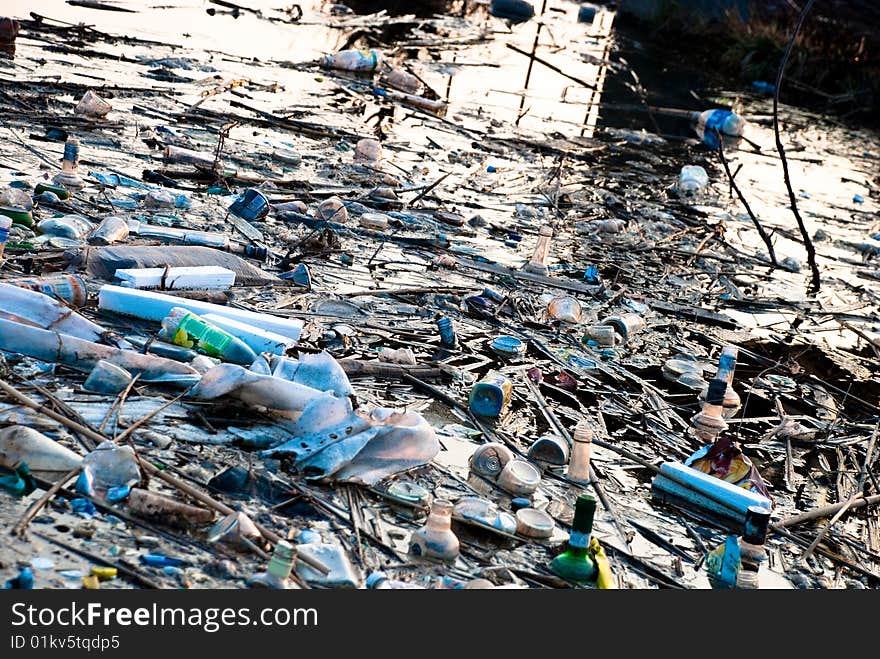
375,577
519,503
534,523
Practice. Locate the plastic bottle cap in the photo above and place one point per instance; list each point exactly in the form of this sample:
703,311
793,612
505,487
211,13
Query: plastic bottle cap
519,503
375,578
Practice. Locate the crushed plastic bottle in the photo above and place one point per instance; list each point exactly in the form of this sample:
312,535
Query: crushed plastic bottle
106,468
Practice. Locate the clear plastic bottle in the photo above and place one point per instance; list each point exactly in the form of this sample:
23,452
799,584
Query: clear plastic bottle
709,422
581,449
435,539
692,181
112,229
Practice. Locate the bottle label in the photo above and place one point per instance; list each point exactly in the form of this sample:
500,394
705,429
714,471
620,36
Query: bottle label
726,364
716,120
208,339
370,60
579,540
71,153
4,234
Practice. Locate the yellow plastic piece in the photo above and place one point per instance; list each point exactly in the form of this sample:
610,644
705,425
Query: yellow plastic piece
104,573
605,579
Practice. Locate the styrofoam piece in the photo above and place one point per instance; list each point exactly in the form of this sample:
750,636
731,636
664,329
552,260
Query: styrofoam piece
678,481
151,305
256,339
183,278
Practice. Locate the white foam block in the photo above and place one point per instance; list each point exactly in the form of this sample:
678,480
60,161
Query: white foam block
151,305
184,278
258,340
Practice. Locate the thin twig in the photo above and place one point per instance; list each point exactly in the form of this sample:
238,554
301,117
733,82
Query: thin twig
808,243
764,236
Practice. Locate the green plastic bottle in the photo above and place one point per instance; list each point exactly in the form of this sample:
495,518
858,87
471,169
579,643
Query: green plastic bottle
575,564
186,329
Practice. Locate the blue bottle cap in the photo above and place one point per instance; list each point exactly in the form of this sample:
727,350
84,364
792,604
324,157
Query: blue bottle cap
375,577
519,502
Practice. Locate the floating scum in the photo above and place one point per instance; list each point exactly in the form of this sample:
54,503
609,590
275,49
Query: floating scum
351,316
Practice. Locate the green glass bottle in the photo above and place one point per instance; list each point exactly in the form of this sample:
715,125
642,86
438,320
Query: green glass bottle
575,564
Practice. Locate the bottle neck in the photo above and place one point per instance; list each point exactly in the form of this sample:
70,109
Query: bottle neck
578,543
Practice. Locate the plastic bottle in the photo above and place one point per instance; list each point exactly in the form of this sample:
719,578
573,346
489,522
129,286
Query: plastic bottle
68,176
491,395
278,571
709,422
575,564
185,329
435,539
354,60
75,227
380,581
724,121
751,547
106,468
68,288
581,449
398,356
112,229
447,332
692,181
188,156
538,263
402,80
726,368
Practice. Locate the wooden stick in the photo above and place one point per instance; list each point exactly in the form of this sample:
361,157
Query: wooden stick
840,513
825,511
